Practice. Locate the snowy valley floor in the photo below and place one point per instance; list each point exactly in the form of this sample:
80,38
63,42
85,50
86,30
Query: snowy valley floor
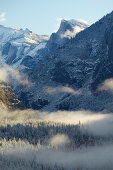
30,140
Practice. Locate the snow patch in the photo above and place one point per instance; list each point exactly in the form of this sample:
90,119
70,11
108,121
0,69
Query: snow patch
34,51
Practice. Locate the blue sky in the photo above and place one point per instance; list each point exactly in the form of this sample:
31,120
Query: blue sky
42,16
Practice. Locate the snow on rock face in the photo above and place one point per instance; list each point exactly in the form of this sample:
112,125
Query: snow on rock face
18,45
15,45
70,34
76,25
68,29
38,47
71,27
20,36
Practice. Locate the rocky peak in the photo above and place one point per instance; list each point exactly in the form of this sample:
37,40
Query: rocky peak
67,30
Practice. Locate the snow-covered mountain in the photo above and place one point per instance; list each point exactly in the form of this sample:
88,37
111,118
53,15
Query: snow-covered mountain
15,45
69,71
20,36
68,77
68,29
20,48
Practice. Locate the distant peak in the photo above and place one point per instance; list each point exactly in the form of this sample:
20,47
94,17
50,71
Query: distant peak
69,28
76,22
27,30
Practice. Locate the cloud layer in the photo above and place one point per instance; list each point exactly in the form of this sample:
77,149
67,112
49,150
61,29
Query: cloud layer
106,85
8,74
2,16
97,157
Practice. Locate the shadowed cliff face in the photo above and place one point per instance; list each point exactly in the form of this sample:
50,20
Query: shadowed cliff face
8,99
104,69
82,63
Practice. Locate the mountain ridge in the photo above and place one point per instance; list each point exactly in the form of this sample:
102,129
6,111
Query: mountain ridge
64,76
72,65
18,46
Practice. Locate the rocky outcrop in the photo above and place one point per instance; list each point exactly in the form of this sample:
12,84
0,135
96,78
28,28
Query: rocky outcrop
8,99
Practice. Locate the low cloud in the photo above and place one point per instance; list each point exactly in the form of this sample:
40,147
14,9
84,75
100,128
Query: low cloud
8,74
59,140
95,123
2,17
62,89
106,85
102,127
82,21
71,117
90,158
97,157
